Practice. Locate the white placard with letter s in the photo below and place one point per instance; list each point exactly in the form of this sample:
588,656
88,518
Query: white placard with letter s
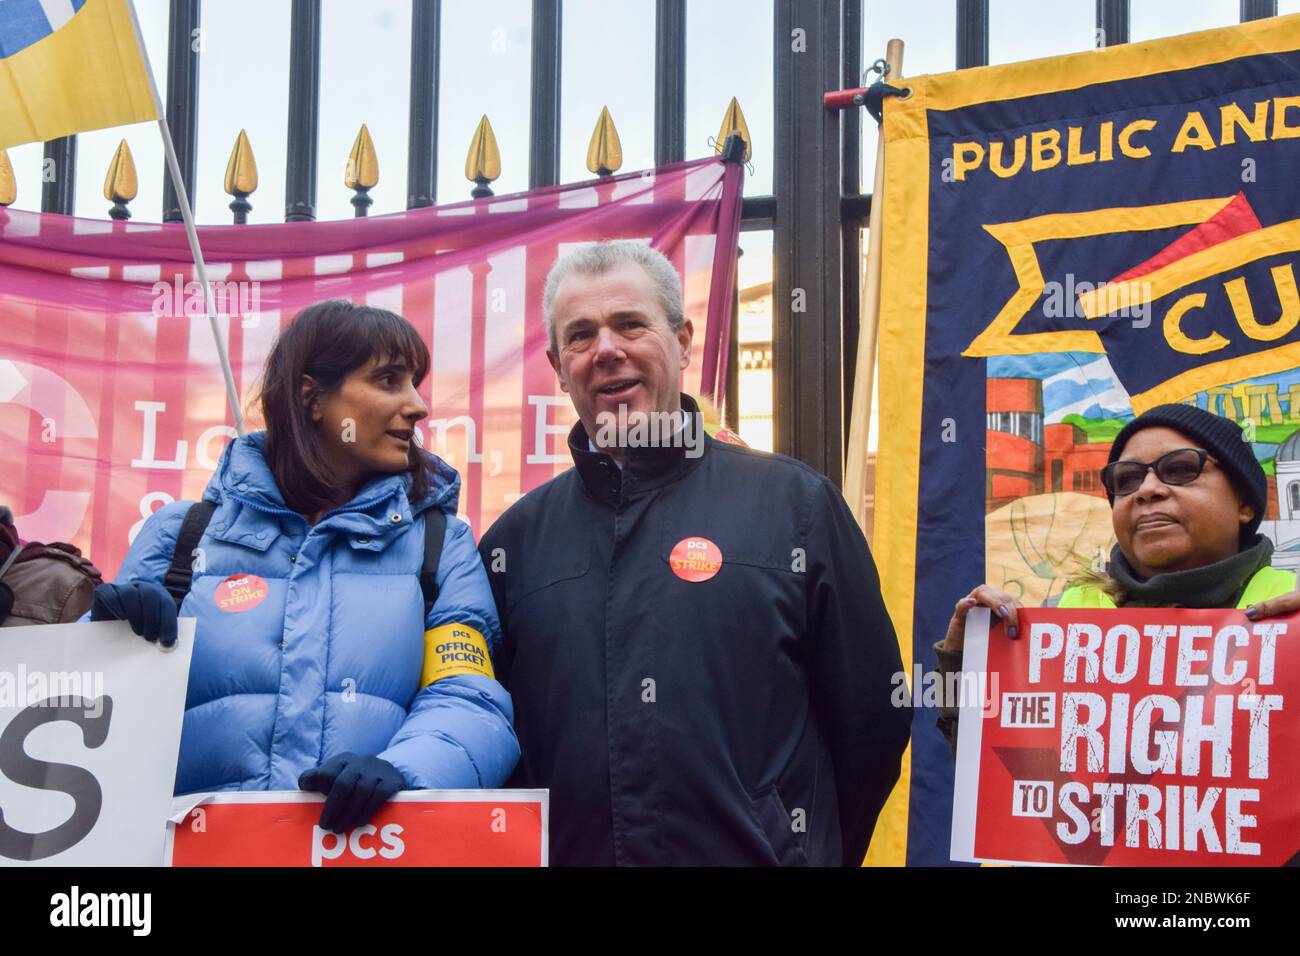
90,729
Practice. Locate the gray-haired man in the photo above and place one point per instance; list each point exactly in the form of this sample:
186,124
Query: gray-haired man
696,645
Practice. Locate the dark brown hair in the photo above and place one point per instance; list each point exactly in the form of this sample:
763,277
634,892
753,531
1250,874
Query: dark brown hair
327,341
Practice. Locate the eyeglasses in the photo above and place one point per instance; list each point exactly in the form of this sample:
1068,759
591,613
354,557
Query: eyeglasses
1179,467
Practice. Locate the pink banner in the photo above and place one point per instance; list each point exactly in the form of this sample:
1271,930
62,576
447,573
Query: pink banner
111,396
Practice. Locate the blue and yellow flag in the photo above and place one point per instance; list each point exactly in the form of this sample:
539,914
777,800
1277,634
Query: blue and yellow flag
68,66
1068,242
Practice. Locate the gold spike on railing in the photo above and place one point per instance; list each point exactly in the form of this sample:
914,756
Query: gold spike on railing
483,164
241,177
362,171
605,151
734,122
121,183
8,184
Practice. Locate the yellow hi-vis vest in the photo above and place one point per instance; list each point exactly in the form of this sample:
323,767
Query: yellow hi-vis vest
1264,584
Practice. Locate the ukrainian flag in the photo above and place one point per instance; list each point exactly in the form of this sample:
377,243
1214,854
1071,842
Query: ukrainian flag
70,65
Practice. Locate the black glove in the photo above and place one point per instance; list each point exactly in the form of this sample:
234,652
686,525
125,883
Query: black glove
146,606
355,787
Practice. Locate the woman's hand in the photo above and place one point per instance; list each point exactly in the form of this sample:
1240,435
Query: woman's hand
1283,604
146,606
1002,604
355,787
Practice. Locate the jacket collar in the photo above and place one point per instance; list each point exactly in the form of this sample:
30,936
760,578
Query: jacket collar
378,510
644,468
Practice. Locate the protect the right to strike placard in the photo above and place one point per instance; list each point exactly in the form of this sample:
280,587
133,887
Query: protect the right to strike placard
1132,737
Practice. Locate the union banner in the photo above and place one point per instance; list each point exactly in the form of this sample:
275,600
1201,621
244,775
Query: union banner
1068,242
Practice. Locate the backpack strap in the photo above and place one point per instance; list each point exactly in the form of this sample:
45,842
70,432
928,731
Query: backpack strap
181,572
435,528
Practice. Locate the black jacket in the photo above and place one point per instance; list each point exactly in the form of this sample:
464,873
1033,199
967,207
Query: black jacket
744,719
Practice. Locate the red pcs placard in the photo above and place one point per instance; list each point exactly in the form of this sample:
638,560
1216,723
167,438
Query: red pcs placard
415,828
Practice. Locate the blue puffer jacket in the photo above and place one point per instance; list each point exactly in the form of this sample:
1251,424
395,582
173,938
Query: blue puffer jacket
332,658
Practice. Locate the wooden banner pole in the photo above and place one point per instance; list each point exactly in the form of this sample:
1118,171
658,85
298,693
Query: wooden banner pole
855,470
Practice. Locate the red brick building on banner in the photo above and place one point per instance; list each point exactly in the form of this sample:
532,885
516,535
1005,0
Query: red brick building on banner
1026,457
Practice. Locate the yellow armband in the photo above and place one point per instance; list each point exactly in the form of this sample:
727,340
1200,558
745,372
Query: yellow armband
454,649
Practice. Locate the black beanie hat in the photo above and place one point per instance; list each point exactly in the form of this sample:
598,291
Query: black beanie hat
1221,437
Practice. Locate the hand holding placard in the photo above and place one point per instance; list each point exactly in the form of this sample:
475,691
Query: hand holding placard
145,605
355,786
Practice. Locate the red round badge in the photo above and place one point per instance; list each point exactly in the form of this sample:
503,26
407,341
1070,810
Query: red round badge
695,559
730,437
240,592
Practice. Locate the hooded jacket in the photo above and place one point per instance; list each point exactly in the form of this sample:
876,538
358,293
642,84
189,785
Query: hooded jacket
310,640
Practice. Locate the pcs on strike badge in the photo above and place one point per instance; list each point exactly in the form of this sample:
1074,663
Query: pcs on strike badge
695,559
240,592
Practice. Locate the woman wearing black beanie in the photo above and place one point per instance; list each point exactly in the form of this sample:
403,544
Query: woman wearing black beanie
1187,496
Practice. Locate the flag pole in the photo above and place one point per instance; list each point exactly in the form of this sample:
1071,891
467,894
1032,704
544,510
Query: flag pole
232,394
187,216
855,471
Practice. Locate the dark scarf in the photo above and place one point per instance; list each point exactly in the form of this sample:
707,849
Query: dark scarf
1214,585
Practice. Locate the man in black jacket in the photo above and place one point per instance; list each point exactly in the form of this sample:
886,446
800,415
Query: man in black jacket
693,632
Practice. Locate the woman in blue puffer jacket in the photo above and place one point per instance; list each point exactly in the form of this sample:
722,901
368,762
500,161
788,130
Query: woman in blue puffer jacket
314,663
